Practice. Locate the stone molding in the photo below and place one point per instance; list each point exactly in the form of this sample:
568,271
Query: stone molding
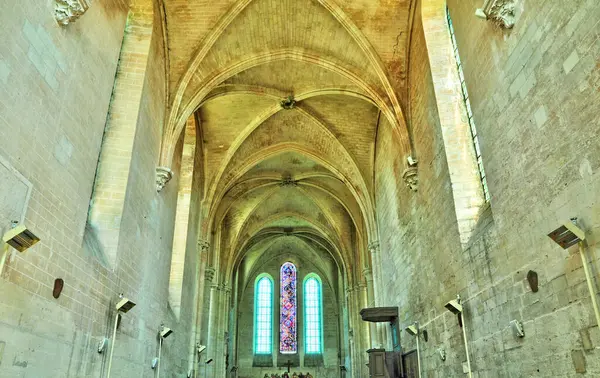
68,11
163,176
411,178
368,274
502,12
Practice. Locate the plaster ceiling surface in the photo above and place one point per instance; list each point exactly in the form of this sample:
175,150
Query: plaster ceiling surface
299,178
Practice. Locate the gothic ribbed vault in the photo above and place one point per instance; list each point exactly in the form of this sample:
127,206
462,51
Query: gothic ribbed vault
304,171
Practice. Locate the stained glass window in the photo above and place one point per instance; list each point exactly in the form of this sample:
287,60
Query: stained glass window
287,336
312,315
467,101
263,315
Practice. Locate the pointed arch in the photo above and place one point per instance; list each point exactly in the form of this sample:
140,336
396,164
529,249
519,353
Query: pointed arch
312,290
263,315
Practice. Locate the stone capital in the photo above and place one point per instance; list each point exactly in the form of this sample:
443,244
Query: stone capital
411,178
502,12
68,11
368,274
163,176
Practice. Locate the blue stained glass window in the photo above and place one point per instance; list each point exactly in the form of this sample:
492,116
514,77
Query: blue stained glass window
263,315
313,328
287,337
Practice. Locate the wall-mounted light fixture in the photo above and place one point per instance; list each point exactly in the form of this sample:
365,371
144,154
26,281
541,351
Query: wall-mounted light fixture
567,235
455,307
18,237
102,345
123,306
206,366
414,330
163,333
517,328
442,353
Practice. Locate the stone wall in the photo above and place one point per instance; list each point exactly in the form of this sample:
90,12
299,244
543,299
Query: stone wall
245,328
57,84
531,90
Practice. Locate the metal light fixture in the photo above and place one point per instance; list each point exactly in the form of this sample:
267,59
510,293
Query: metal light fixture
163,333
414,330
102,345
18,237
517,328
206,366
123,306
568,235
442,353
455,307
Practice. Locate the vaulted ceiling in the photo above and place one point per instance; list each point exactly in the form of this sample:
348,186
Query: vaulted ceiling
301,173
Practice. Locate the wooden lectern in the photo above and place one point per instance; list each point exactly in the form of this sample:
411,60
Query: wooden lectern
384,364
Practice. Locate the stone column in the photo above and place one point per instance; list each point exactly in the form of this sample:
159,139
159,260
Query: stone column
373,331
222,329
354,351
197,338
378,290
364,327
213,321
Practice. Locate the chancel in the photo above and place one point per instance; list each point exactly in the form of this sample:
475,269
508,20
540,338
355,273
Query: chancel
299,188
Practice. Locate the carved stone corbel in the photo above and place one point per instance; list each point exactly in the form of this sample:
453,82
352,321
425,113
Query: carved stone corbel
373,247
68,11
203,245
502,12
411,178
209,274
163,176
